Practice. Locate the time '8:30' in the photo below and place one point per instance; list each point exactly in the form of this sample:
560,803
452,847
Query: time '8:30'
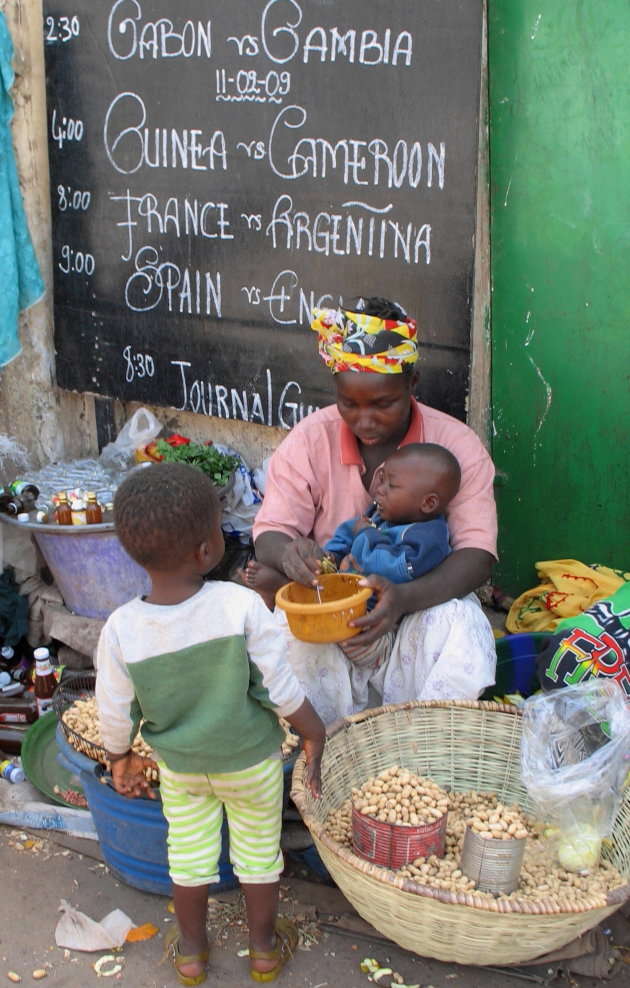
137,365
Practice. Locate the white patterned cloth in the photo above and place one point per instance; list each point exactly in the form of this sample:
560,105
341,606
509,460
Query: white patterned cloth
446,652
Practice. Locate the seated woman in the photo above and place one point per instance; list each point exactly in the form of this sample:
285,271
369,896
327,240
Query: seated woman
326,470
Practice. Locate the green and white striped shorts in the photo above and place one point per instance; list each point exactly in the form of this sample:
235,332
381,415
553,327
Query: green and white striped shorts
193,806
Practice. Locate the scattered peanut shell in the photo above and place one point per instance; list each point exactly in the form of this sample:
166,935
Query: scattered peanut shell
12,976
39,974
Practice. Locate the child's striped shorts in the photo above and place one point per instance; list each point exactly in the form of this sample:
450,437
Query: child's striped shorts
193,806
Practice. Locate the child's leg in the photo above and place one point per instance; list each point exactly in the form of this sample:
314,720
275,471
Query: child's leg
194,815
261,902
191,911
253,802
372,655
263,579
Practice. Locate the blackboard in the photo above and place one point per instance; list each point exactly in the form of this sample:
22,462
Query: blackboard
217,168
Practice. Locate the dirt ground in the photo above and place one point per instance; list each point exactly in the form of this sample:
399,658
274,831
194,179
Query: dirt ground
39,868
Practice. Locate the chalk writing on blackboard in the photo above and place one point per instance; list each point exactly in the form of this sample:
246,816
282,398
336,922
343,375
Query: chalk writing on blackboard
219,169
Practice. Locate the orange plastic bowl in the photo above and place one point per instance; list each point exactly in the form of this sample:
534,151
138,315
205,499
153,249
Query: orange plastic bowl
342,600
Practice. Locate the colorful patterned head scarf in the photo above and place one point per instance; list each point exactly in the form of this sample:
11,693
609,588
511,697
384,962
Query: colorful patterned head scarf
354,341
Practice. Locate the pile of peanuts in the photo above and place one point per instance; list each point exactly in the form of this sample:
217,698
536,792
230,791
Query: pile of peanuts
492,820
291,739
542,878
82,719
398,796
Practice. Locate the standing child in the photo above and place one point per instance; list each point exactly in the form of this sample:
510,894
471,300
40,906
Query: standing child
203,664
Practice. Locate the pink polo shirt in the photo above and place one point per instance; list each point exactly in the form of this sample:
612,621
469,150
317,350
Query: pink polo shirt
314,478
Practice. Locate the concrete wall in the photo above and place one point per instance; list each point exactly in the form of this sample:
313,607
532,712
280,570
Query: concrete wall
54,424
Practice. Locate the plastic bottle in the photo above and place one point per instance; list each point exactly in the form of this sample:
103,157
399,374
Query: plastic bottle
8,656
11,772
93,510
63,512
45,681
10,504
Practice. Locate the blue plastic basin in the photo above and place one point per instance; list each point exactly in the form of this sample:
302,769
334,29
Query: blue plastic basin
92,570
132,832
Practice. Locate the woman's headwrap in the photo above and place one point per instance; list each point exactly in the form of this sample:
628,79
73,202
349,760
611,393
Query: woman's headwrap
354,341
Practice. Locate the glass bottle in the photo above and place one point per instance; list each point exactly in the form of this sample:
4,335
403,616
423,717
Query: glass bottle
93,510
11,504
45,681
18,710
77,509
27,492
63,512
11,737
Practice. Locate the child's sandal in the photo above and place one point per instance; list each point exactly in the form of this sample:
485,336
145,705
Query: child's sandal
171,950
287,939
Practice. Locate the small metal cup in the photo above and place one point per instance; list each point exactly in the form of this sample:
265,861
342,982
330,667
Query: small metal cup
493,865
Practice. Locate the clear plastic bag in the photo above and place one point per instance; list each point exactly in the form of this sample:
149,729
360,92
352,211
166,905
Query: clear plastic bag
575,758
140,430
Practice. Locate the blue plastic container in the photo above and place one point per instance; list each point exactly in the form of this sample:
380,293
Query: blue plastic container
516,664
132,832
92,570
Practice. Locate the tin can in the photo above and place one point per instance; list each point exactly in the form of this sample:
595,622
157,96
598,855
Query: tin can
11,772
494,865
392,845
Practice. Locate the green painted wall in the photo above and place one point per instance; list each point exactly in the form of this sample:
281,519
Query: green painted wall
559,82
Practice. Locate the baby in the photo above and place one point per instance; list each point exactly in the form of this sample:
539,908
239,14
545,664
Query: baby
404,534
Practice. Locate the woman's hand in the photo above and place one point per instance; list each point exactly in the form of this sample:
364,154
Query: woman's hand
302,561
387,611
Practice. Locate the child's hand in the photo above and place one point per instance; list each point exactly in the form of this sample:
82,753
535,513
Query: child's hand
129,778
313,779
349,564
361,522
307,722
329,562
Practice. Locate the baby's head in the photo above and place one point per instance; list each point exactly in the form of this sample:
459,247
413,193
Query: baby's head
163,512
416,483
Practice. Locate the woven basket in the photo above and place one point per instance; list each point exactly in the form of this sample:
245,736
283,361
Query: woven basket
467,745
77,688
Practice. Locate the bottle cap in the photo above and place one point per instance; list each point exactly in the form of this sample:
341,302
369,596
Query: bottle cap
41,653
7,652
23,517
5,678
91,495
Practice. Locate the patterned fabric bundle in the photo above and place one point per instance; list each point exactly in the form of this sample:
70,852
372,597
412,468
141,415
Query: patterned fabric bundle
354,341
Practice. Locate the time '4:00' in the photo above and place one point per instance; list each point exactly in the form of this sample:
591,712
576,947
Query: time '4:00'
76,261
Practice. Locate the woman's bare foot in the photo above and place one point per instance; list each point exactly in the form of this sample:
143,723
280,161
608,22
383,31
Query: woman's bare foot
263,579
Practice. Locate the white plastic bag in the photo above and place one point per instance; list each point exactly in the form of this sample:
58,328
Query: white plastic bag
240,503
140,430
575,757
76,931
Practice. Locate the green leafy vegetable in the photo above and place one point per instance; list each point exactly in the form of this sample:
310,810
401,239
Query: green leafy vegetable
218,466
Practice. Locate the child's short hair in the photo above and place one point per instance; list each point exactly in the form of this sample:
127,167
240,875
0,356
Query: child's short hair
163,512
441,457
